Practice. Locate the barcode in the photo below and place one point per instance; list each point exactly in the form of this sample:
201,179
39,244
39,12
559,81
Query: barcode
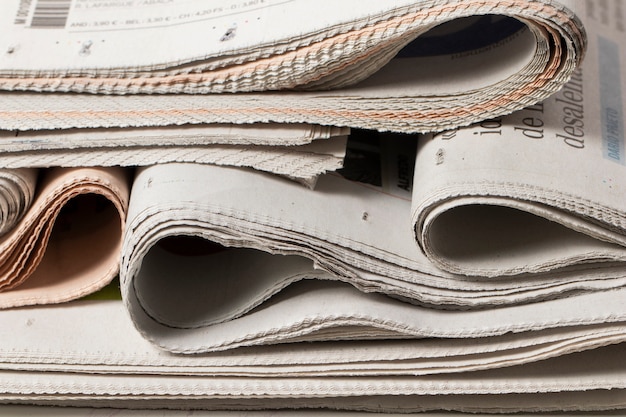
22,12
50,13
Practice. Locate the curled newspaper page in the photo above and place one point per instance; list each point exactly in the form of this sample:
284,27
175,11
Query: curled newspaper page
298,151
376,218
17,189
401,65
540,190
110,364
68,243
216,258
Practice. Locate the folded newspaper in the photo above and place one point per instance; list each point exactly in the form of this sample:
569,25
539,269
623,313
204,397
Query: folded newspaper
67,242
105,363
513,210
402,65
220,262
298,151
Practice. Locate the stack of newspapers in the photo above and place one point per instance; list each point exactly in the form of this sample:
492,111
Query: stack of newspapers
385,206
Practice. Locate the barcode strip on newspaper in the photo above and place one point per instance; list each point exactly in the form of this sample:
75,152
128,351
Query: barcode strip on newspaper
50,13
22,12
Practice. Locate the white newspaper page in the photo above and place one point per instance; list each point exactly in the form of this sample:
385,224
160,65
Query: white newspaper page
298,151
367,239
115,346
406,66
89,36
102,363
542,189
248,247
267,134
315,309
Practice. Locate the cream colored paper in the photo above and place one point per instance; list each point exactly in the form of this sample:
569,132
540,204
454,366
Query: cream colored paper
51,256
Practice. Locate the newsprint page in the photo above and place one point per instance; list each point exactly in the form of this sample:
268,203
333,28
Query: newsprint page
466,264
354,63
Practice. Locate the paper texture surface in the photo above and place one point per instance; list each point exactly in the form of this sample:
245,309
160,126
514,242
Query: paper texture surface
347,55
